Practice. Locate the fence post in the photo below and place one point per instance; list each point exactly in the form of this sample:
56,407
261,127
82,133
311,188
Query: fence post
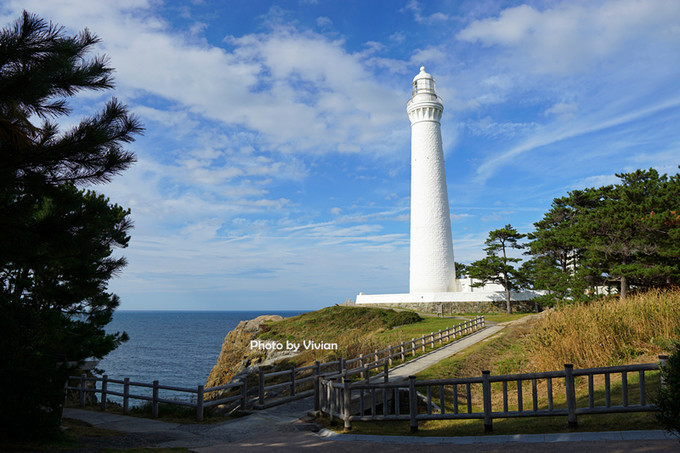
486,391
413,347
126,395
341,364
260,387
571,395
424,342
377,356
83,382
331,402
154,400
292,380
401,349
663,360
413,403
317,386
317,394
105,379
199,403
386,372
346,403
367,374
244,395
361,360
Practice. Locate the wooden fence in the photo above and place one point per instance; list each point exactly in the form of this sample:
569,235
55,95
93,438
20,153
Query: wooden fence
276,387
487,397
122,389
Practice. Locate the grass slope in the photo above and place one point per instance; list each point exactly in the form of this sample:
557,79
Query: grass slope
356,330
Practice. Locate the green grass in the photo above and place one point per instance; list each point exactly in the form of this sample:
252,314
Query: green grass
416,330
528,425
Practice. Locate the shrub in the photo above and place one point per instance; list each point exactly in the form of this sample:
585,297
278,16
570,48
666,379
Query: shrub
402,318
668,399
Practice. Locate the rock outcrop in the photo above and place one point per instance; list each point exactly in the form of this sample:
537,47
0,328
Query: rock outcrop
237,359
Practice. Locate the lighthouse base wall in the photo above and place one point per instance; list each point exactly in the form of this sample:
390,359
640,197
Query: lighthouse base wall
452,303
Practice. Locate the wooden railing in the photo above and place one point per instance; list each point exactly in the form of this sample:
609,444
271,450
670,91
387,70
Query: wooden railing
276,387
121,388
487,397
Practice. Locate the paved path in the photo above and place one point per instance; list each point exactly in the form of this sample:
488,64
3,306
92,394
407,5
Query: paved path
414,366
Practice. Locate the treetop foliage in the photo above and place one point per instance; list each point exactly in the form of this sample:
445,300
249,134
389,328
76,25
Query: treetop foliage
39,66
620,235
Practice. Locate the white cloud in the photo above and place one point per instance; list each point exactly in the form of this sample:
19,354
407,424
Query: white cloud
324,21
563,110
299,91
556,132
487,127
573,37
595,181
414,7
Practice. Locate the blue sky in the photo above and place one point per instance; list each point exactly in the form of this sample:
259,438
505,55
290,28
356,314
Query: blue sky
274,171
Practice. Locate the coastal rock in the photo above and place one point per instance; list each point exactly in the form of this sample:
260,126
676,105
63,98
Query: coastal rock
236,358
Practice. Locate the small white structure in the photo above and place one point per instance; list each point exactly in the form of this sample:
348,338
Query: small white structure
432,267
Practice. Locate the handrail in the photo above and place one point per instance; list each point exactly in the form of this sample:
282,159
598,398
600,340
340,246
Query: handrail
344,400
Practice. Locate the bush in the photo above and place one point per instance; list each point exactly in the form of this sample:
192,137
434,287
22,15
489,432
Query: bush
668,399
402,318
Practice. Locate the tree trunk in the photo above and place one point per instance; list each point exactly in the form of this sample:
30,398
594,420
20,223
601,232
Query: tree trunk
506,285
624,287
508,306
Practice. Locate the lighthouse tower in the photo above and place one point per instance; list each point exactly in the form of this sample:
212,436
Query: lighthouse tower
433,280
432,266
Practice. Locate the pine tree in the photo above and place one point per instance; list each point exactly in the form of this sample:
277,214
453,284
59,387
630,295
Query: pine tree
497,266
56,239
625,234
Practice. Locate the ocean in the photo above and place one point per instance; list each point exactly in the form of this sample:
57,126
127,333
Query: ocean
176,348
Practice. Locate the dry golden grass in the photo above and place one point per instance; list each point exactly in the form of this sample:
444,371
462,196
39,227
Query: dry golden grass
607,332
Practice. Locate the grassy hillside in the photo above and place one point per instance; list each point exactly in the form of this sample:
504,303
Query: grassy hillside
603,333
356,330
607,332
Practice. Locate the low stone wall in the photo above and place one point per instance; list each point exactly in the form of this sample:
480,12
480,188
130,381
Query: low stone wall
452,308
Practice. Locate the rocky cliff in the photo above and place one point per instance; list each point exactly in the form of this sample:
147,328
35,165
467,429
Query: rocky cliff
321,335
236,358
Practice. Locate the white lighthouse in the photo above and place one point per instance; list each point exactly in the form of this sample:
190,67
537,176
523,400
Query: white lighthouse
432,266
433,280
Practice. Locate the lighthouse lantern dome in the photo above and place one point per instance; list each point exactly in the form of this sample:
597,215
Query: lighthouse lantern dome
423,83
